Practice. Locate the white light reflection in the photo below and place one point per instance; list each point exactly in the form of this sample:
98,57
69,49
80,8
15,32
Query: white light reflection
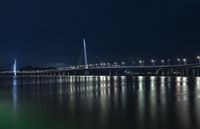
141,100
153,96
115,78
123,81
108,81
115,83
178,85
168,82
70,79
108,78
96,78
178,79
185,85
197,102
102,82
197,83
163,79
104,99
123,88
182,88
60,79
141,82
141,78
169,79
182,96
163,90
153,82
14,92
102,78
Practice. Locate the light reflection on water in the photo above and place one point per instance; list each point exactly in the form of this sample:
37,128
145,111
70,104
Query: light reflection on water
101,102
14,92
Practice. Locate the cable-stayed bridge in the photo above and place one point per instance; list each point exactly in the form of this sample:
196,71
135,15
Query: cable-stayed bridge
165,70
184,69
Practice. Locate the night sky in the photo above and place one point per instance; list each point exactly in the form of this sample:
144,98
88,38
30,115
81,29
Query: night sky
50,32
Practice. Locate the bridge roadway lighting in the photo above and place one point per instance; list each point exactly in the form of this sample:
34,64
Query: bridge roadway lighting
168,61
198,58
115,64
108,64
123,63
141,62
185,61
179,61
163,62
153,62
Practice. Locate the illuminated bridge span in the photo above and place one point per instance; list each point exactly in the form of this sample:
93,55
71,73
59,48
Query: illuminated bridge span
161,70
182,68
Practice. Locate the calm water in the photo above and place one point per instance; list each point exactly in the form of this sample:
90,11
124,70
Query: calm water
100,102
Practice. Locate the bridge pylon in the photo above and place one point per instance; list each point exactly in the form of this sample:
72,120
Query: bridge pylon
85,54
15,68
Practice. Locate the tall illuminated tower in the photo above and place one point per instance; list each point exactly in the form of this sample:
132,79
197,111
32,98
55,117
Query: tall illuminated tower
15,68
85,54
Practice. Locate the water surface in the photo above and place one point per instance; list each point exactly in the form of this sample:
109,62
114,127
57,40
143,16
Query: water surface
99,102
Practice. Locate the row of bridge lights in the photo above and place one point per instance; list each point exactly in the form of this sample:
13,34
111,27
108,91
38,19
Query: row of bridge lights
140,63
153,61
184,60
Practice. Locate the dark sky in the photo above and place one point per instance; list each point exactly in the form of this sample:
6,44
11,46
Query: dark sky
47,32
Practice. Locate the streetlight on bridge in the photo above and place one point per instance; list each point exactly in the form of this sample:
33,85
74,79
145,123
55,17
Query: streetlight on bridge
179,61
163,62
123,63
168,61
115,64
101,64
141,62
198,58
153,62
108,64
185,61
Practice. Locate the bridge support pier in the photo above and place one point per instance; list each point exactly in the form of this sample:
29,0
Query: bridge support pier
193,72
110,73
86,72
171,71
187,71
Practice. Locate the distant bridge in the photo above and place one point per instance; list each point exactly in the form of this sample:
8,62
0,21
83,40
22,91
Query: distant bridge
165,70
107,69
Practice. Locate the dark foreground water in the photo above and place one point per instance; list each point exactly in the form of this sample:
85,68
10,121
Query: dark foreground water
100,102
